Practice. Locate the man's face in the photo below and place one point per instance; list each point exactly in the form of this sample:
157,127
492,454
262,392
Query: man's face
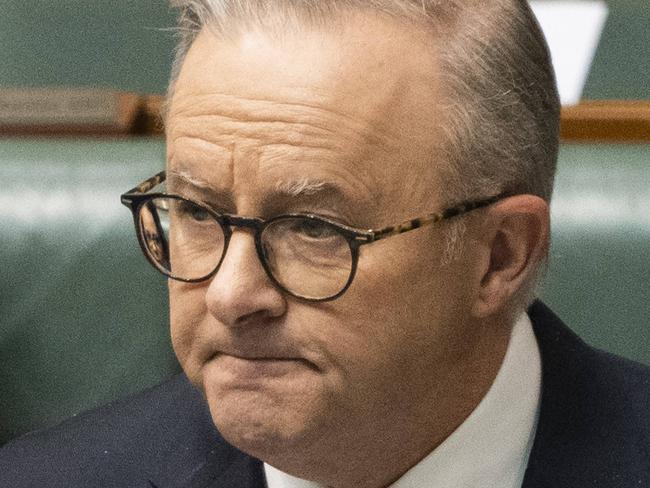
342,124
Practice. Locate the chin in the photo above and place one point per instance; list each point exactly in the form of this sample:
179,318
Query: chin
266,410
262,428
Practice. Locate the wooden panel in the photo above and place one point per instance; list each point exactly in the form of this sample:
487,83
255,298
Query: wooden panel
607,121
154,107
68,111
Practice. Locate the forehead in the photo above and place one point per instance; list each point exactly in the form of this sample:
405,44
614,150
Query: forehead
356,102
362,62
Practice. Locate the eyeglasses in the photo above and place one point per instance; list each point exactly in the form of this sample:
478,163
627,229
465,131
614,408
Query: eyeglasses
307,256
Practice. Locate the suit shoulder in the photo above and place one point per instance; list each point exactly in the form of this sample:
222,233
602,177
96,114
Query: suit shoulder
629,375
594,422
111,444
622,387
569,358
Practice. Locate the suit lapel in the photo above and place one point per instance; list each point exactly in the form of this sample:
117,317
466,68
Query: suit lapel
550,457
239,471
235,470
568,448
194,454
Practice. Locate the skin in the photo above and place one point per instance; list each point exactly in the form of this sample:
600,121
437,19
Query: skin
355,391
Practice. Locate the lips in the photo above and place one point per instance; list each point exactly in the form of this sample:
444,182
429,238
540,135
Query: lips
253,353
254,356
258,367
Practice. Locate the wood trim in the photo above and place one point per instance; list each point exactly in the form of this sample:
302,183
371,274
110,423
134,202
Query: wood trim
64,111
606,121
153,112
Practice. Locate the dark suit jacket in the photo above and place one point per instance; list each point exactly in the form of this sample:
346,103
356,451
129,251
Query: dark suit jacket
594,431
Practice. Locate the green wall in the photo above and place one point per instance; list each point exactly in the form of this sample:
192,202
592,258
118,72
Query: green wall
113,43
123,44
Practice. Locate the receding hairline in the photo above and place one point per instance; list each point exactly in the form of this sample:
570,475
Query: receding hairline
276,19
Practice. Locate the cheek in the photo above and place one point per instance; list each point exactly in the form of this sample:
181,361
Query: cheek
187,309
362,339
404,308
401,282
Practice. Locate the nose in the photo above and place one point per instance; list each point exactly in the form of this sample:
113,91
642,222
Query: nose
241,293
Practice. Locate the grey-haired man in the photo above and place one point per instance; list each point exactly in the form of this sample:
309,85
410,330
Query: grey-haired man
355,215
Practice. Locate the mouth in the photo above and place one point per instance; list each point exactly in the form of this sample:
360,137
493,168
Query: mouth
259,366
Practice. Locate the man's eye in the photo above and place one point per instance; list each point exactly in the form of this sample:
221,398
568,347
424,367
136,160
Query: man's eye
190,211
314,229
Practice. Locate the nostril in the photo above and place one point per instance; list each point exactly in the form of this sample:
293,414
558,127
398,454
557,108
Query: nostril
257,318
246,307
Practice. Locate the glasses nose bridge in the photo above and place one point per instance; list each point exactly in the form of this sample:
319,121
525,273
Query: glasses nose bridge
254,223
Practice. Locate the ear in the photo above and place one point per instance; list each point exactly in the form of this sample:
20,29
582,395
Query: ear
516,240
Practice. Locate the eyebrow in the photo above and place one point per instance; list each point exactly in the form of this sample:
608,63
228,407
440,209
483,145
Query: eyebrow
185,177
306,187
177,180
313,193
292,188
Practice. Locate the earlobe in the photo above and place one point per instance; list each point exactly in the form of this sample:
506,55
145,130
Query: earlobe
516,244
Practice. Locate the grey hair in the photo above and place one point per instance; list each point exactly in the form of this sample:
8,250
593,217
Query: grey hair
501,106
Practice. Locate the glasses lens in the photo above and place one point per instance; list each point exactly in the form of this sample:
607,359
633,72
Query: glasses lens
181,237
308,257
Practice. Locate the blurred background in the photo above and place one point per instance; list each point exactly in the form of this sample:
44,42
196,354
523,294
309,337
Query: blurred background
126,44
83,317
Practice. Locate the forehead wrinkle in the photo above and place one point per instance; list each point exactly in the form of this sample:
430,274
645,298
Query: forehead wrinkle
297,120
187,153
178,138
273,163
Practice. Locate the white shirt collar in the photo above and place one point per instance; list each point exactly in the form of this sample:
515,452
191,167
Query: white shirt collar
491,447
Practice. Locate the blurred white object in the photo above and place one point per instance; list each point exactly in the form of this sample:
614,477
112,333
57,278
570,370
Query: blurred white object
572,30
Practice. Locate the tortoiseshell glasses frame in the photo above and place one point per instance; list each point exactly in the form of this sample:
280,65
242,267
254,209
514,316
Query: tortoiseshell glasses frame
135,198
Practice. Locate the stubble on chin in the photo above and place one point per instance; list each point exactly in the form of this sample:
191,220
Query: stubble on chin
267,424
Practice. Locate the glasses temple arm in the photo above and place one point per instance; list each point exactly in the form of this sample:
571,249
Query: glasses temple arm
435,217
148,184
